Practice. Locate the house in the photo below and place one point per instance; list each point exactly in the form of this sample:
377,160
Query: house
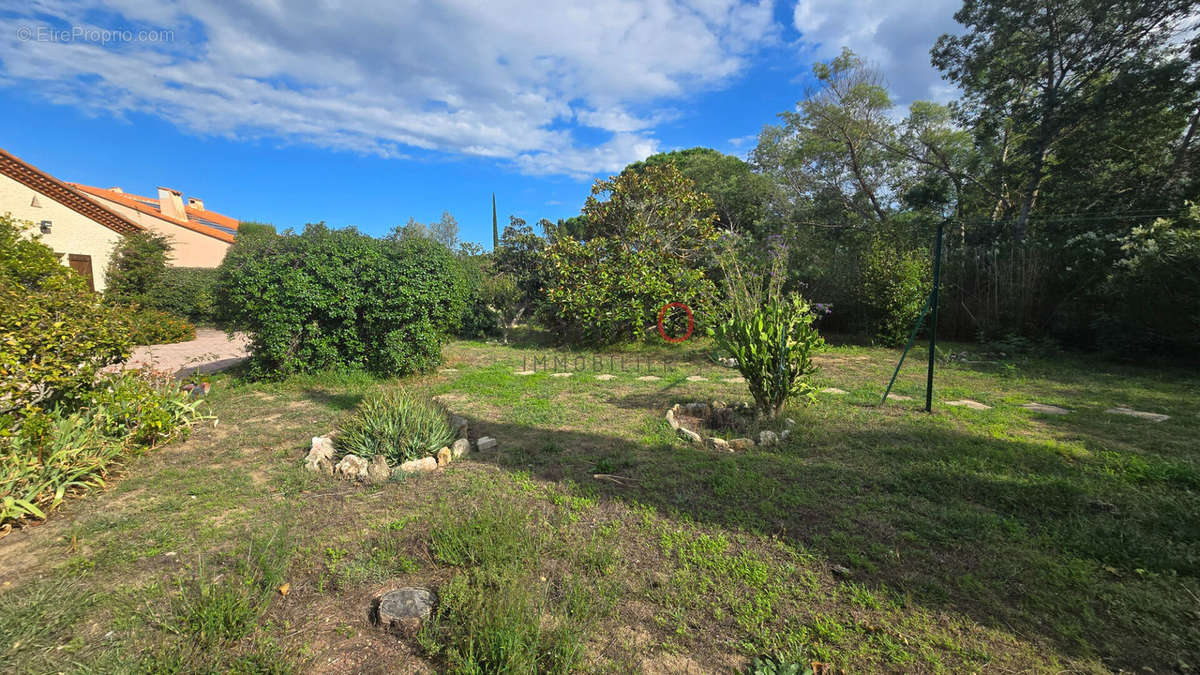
82,232
199,237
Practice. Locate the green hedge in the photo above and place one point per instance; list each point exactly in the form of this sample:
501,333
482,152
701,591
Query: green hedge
188,292
338,298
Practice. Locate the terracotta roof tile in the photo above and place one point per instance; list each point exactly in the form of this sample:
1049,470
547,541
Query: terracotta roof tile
149,207
29,175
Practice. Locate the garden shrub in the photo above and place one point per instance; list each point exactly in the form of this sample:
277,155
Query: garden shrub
55,334
398,426
337,298
72,447
773,345
189,292
646,247
156,327
136,268
895,285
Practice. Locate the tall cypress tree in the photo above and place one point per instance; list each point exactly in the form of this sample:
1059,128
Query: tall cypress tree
495,229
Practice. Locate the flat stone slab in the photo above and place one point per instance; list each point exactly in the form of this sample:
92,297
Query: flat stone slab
1123,410
561,374
834,390
524,372
449,370
968,403
899,397
697,378
649,378
403,610
734,380
1045,408
606,377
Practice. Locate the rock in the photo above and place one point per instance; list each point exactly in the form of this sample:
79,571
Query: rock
671,419
968,403
689,435
378,470
718,444
649,378
833,390
1046,409
741,444
700,410
767,438
485,443
783,435
403,610
1124,410
460,448
459,426
524,372
790,422
722,418
443,457
322,449
840,571
352,467
717,404
323,466
697,378
899,397
606,377
419,465
561,374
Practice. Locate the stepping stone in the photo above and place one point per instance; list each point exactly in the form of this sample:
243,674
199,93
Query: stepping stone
697,378
524,372
649,378
968,403
834,390
449,370
734,380
899,397
403,610
1124,410
561,374
606,377
1045,409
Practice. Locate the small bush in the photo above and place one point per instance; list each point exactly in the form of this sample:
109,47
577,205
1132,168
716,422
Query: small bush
156,327
55,334
337,298
398,426
773,346
188,292
895,285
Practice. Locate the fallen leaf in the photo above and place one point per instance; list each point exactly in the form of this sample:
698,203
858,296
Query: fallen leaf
283,590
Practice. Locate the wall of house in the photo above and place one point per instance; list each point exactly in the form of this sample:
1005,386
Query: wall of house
189,248
70,232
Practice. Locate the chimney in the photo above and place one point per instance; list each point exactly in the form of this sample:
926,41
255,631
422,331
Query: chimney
116,189
170,203
196,203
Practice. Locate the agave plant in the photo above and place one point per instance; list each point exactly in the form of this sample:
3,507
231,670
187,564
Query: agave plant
397,425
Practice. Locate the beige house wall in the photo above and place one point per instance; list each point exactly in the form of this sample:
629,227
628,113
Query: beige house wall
70,232
190,248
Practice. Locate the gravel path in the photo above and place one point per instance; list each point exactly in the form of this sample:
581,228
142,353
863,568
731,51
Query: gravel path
210,351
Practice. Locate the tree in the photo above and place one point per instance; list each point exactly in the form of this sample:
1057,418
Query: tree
739,194
495,232
136,268
515,287
650,232
1031,72
444,232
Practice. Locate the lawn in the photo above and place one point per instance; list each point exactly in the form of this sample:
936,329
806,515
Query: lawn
876,538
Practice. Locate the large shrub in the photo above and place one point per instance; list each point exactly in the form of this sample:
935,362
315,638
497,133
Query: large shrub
189,292
136,268
1152,296
55,334
646,247
895,284
398,426
338,298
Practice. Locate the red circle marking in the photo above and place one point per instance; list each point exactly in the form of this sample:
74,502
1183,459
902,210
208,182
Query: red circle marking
691,321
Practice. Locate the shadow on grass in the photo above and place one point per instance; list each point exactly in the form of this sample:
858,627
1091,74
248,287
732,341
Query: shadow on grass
1086,554
335,401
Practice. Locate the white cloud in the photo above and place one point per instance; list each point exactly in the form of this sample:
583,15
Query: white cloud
896,36
502,80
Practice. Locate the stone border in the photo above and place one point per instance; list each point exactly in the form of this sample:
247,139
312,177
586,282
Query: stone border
705,410
352,467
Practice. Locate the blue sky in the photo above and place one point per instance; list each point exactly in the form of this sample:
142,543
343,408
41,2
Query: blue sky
289,112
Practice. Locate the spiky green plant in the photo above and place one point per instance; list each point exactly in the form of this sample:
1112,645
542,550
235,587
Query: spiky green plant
397,425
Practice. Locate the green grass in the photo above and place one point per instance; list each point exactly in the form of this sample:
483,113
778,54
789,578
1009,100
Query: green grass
875,539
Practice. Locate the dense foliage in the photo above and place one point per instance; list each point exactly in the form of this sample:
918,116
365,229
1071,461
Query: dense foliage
646,243
55,334
397,425
895,286
136,268
156,327
338,298
189,292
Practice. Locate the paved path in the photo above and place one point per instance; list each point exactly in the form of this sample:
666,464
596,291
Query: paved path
210,351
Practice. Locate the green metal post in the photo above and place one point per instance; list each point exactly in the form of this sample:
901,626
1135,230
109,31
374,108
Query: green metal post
933,301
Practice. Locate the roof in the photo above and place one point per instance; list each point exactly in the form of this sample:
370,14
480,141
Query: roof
199,220
29,175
